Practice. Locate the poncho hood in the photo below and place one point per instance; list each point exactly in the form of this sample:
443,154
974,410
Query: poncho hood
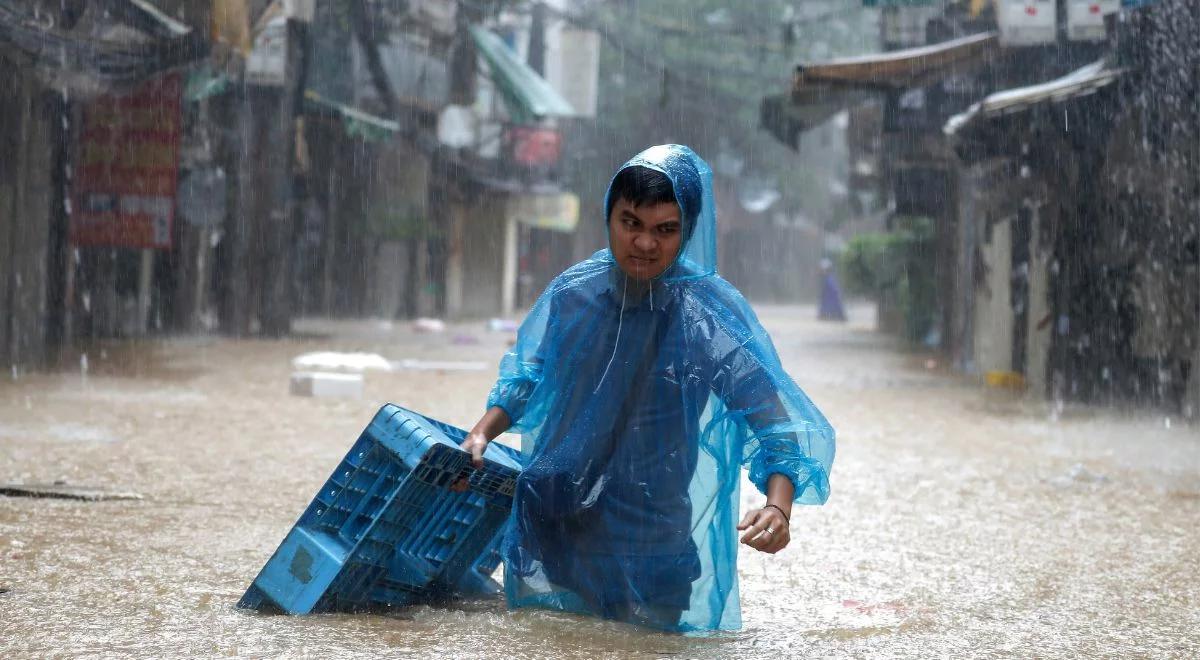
691,179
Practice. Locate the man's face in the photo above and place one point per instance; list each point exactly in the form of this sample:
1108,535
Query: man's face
644,239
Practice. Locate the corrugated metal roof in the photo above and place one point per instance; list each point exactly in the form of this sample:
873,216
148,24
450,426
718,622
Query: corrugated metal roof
1081,82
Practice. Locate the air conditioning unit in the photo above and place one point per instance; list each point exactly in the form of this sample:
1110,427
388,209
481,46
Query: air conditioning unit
1085,18
904,27
1026,22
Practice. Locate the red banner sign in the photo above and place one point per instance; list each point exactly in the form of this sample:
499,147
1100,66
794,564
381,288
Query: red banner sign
127,168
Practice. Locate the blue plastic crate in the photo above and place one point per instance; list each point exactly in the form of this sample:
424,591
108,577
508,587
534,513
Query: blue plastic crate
386,531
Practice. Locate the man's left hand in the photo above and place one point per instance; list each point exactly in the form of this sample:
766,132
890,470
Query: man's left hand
766,530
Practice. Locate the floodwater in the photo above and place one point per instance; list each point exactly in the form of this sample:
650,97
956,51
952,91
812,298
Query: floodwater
962,522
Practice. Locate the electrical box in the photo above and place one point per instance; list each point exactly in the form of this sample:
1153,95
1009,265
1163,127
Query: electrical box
1085,18
1027,22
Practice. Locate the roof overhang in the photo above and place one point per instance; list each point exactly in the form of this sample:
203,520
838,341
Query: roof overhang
821,90
898,69
1079,83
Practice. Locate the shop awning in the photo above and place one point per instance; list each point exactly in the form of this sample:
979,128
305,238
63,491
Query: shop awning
526,94
897,69
1081,82
356,122
823,89
205,82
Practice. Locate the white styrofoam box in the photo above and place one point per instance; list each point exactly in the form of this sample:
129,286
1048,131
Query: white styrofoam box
1027,22
324,384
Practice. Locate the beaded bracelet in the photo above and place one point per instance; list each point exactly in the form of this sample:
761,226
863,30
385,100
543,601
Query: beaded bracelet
781,511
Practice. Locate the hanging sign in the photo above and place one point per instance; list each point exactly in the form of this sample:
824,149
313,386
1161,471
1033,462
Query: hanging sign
267,63
558,212
127,168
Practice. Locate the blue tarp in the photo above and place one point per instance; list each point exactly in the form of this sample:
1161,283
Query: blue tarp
639,403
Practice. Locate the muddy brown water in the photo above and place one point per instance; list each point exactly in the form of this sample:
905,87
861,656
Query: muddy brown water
962,522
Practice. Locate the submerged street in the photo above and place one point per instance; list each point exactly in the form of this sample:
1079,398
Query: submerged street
962,522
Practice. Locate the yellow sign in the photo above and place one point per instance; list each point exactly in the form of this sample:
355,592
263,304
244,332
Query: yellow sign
558,212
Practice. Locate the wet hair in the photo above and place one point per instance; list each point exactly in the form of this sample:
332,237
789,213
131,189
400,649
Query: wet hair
642,186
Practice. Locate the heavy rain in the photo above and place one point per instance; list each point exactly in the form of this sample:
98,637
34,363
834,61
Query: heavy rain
403,328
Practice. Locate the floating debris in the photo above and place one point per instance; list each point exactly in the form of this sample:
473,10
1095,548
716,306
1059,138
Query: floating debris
335,361
502,325
65,492
429,325
444,365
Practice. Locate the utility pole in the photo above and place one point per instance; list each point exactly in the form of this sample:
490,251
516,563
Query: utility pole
276,172
450,203
517,235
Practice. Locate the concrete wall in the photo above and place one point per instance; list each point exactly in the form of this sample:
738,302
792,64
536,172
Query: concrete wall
976,200
483,254
1191,406
475,252
400,187
25,203
993,304
1037,355
984,318
389,279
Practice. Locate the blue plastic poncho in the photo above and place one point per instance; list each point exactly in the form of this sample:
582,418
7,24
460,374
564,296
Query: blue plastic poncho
638,406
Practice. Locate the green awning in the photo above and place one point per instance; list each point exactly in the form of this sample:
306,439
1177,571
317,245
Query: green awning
356,122
204,82
526,94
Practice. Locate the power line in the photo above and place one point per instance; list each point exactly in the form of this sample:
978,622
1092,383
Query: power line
653,64
677,30
116,62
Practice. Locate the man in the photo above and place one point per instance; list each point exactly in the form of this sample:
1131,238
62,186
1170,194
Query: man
642,382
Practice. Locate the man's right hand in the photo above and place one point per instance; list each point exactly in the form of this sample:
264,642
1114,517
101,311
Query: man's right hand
474,443
494,422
